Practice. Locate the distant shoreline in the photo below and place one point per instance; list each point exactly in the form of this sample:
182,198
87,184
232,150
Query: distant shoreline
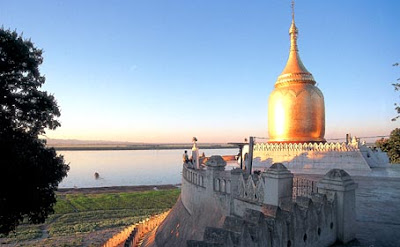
137,147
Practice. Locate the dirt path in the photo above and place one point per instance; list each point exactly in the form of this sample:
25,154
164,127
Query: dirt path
45,228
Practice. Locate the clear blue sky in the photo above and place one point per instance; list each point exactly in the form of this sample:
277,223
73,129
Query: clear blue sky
164,71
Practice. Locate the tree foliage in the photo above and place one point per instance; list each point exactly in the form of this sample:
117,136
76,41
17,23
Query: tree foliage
391,145
396,88
30,172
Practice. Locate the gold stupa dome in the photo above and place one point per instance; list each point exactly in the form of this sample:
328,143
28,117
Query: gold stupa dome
296,109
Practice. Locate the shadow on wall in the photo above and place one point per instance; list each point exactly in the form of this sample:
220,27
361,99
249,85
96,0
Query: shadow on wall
306,159
314,161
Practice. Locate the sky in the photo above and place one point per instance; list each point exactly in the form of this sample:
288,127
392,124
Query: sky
168,70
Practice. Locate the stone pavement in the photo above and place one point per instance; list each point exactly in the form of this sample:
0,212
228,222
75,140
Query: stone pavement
378,208
378,211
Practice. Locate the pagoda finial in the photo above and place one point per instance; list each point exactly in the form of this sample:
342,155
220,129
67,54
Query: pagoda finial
292,10
293,31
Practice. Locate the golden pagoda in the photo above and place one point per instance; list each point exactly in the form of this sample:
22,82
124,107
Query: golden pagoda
296,109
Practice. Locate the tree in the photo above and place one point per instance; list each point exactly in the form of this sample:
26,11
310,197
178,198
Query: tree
391,146
29,171
396,88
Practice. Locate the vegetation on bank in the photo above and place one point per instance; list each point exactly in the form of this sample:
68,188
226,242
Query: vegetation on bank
82,219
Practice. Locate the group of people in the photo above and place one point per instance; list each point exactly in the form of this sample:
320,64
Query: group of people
185,158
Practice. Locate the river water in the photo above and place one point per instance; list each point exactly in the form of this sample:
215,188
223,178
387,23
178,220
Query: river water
127,167
144,167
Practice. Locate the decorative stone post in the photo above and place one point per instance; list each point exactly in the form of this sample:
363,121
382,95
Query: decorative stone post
338,183
235,174
278,182
215,164
195,154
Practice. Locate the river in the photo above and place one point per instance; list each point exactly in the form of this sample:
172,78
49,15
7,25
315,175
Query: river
127,167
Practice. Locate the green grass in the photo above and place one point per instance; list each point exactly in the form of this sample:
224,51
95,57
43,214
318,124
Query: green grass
72,203
77,215
26,232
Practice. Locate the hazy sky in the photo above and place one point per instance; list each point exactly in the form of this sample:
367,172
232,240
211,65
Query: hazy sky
167,70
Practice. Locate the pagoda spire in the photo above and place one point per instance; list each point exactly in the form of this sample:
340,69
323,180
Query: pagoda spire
294,71
293,32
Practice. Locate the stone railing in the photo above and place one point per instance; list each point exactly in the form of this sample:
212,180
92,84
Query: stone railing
264,213
193,176
132,235
222,185
251,188
306,146
294,226
304,187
